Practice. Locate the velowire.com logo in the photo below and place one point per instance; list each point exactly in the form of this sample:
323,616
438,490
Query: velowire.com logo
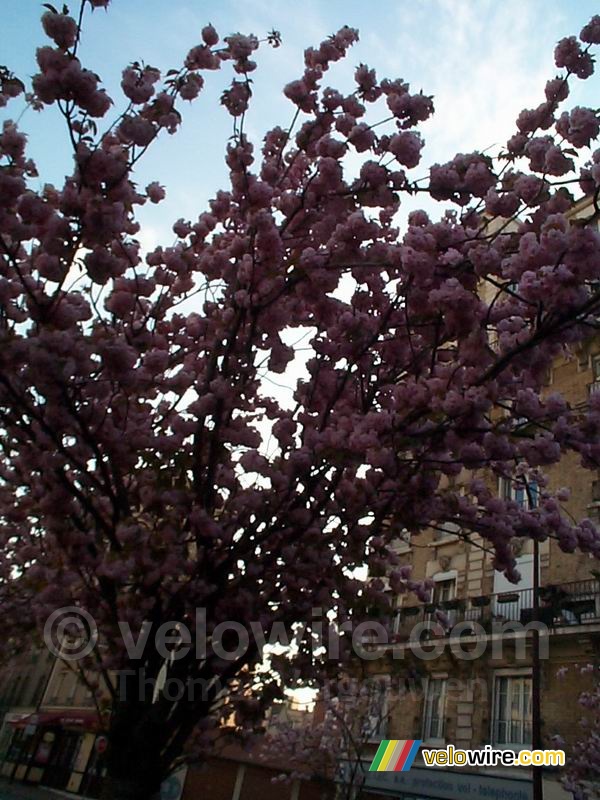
395,755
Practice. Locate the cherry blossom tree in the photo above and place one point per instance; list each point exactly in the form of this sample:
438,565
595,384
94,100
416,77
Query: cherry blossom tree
148,468
332,742
582,776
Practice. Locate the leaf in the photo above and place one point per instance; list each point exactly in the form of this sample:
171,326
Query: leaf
49,7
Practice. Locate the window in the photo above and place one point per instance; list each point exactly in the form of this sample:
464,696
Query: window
444,590
511,609
434,710
512,711
524,493
595,385
39,691
375,721
17,690
398,619
71,688
57,687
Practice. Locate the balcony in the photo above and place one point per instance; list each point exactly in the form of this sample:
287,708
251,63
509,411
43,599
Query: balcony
593,388
564,605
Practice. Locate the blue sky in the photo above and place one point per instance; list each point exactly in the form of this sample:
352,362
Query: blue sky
483,61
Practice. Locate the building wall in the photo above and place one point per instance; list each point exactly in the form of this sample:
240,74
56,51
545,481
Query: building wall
469,707
66,689
22,684
229,779
23,680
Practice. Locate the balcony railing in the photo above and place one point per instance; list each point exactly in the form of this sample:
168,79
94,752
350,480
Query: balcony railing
560,605
594,388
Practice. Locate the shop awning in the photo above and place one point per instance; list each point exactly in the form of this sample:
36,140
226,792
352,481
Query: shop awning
79,720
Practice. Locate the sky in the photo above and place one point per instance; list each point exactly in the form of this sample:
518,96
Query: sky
482,60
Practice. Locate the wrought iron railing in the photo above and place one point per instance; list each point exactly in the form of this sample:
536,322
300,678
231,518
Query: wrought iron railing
594,387
560,605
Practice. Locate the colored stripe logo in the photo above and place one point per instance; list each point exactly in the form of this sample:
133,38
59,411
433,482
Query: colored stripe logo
395,755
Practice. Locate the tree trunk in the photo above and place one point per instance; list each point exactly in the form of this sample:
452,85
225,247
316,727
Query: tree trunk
134,766
131,781
128,789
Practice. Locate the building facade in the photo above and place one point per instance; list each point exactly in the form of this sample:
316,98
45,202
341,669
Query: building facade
58,741
470,681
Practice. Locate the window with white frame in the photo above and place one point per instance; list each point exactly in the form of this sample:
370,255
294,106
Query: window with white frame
595,384
398,606
511,722
57,686
434,710
525,493
444,590
376,717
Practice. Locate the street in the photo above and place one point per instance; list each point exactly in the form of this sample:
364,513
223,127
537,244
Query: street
18,791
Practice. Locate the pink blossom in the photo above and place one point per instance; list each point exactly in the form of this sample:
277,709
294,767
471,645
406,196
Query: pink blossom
191,86
556,90
591,32
138,85
568,53
579,126
407,148
202,57
503,205
298,93
236,99
61,28
361,137
209,35
367,82
138,130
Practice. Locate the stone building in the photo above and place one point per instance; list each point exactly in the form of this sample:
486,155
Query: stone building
57,742
23,681
470,683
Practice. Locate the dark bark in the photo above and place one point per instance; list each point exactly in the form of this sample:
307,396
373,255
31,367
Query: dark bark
131,788
132,775
134,765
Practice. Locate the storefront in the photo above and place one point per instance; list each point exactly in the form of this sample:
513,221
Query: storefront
421,783
59,749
